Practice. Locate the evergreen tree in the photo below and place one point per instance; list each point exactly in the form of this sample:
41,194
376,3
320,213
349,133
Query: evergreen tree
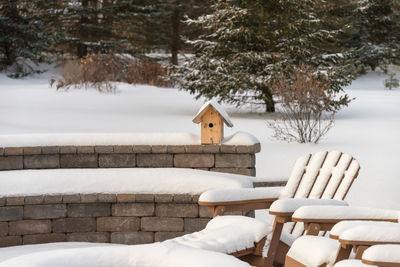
23,38
378,43
247,44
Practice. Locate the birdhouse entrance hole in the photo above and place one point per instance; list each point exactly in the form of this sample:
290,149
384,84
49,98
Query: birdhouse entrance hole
210,125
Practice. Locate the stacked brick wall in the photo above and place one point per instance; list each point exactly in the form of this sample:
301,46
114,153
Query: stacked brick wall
220,158
108,218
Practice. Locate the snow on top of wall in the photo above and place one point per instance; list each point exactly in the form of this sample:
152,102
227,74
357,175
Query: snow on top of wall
99,139
87,255
240,138
218,108
132,180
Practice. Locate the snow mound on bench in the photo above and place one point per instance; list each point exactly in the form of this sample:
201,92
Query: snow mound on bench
383,253
156,254
106,139
226,234
130,180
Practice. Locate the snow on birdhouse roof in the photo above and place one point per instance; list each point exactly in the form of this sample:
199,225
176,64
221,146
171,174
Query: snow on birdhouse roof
218,108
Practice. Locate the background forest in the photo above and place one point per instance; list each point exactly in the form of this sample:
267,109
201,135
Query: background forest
236,49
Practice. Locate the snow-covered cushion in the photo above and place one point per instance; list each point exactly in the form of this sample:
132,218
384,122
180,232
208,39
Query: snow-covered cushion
313,251
292,204
227,195
344,213
226,234
373,233
340,227
383,253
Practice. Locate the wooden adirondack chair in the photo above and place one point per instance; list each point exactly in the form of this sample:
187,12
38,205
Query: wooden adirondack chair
324,175
355,228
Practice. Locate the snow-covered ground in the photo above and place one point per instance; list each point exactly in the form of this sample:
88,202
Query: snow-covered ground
369,128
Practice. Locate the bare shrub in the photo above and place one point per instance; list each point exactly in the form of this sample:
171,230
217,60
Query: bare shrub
147,72
99,71
305,102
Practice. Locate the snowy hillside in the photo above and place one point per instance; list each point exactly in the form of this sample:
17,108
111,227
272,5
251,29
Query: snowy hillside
369,128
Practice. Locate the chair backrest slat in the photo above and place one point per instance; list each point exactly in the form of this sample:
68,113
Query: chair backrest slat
295,176
325,174
312,171
338,173
322,175
348,180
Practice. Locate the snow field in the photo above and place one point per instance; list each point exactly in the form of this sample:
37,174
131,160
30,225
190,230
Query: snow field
368,129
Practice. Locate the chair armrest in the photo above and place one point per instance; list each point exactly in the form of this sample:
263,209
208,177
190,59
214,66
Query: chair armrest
286,207
382,255
368,235
343,226
327,216
239,199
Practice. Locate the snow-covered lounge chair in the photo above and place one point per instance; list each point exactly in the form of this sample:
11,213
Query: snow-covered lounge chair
320,179
378,255
355,228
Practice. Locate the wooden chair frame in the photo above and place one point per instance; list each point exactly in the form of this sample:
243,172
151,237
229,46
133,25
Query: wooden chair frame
278,249
314,226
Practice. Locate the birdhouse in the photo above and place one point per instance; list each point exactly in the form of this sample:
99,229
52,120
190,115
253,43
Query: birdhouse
212,117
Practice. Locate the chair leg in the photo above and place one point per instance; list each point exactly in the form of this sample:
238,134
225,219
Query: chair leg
343,253
274,244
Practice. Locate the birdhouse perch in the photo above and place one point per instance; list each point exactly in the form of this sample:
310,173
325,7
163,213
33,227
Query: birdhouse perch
212,117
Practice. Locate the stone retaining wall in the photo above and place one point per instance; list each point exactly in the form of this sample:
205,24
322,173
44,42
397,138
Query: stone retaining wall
109,218
220,158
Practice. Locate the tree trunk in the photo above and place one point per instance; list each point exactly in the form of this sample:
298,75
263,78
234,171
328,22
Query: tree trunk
175,36
270,106
83,32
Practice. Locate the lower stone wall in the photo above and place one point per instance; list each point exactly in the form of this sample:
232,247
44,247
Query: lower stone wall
108,218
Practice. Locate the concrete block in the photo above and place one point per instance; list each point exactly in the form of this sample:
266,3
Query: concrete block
11,162
48,211
195,224
162,224
15,201
126,198
95,237
27,227
133,209
11,213
154,160
193,160
74,225
3,228
9,241
177,210
133,238
13,151
89,210
234,160
32,150
50,150
117,160
78,161
118,224
43,238
41,161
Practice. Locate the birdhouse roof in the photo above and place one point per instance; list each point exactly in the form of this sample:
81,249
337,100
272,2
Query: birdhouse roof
217,107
